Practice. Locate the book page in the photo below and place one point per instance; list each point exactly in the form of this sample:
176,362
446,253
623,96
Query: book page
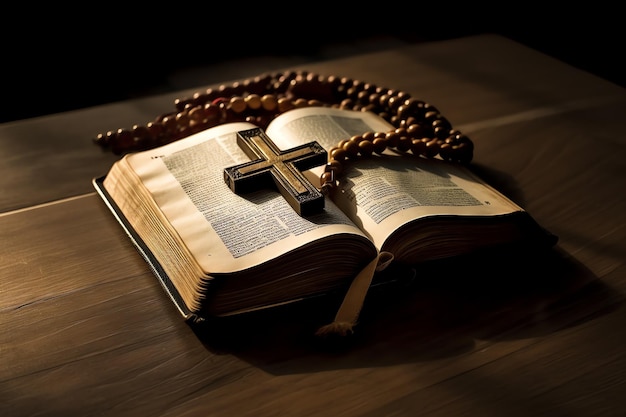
325,125
381,193
225,231
384,193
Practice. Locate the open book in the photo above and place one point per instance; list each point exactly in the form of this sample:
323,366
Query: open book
219,253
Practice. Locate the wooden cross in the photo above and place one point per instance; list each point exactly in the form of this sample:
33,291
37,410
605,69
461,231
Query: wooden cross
282,167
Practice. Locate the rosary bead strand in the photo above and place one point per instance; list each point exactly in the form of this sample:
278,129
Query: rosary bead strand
419,126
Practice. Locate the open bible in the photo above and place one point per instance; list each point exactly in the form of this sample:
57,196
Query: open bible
220,253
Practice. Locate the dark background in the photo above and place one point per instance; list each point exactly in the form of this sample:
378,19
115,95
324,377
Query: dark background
59,59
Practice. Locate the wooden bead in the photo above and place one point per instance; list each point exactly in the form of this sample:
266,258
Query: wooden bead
238,104
418,146
101,140
338,154
368,136
401,131
464,152
342,142
122,141
416,131
211,113
226,91
182,119
155,130
346,104
140,131
410,121
392,138
365,148
403,111
300,103
441,122
404,144
269,102
358,138
394,102
380,144
285,104
363,96
335,166
441,132
253,101
196,115
169,124
380,135
327,177
431,115
374,98
432,148
351,148
446,151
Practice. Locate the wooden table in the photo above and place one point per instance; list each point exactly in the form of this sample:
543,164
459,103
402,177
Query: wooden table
86,329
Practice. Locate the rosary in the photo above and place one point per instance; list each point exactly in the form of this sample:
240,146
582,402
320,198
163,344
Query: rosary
419,126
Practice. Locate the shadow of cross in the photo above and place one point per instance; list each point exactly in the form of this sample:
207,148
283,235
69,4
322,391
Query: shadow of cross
284,168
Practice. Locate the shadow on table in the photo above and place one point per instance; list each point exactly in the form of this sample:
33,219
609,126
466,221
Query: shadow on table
445,310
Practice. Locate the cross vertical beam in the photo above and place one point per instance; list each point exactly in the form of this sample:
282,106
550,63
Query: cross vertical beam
283,168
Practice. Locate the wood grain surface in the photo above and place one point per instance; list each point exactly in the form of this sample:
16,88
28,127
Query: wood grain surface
87,330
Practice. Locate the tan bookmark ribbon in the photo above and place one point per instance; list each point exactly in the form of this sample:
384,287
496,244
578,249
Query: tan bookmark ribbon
348,313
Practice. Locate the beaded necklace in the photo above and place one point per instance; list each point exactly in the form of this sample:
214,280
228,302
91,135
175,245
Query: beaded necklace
419,126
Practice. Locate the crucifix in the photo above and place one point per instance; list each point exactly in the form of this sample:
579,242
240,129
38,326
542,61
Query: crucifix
282,167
